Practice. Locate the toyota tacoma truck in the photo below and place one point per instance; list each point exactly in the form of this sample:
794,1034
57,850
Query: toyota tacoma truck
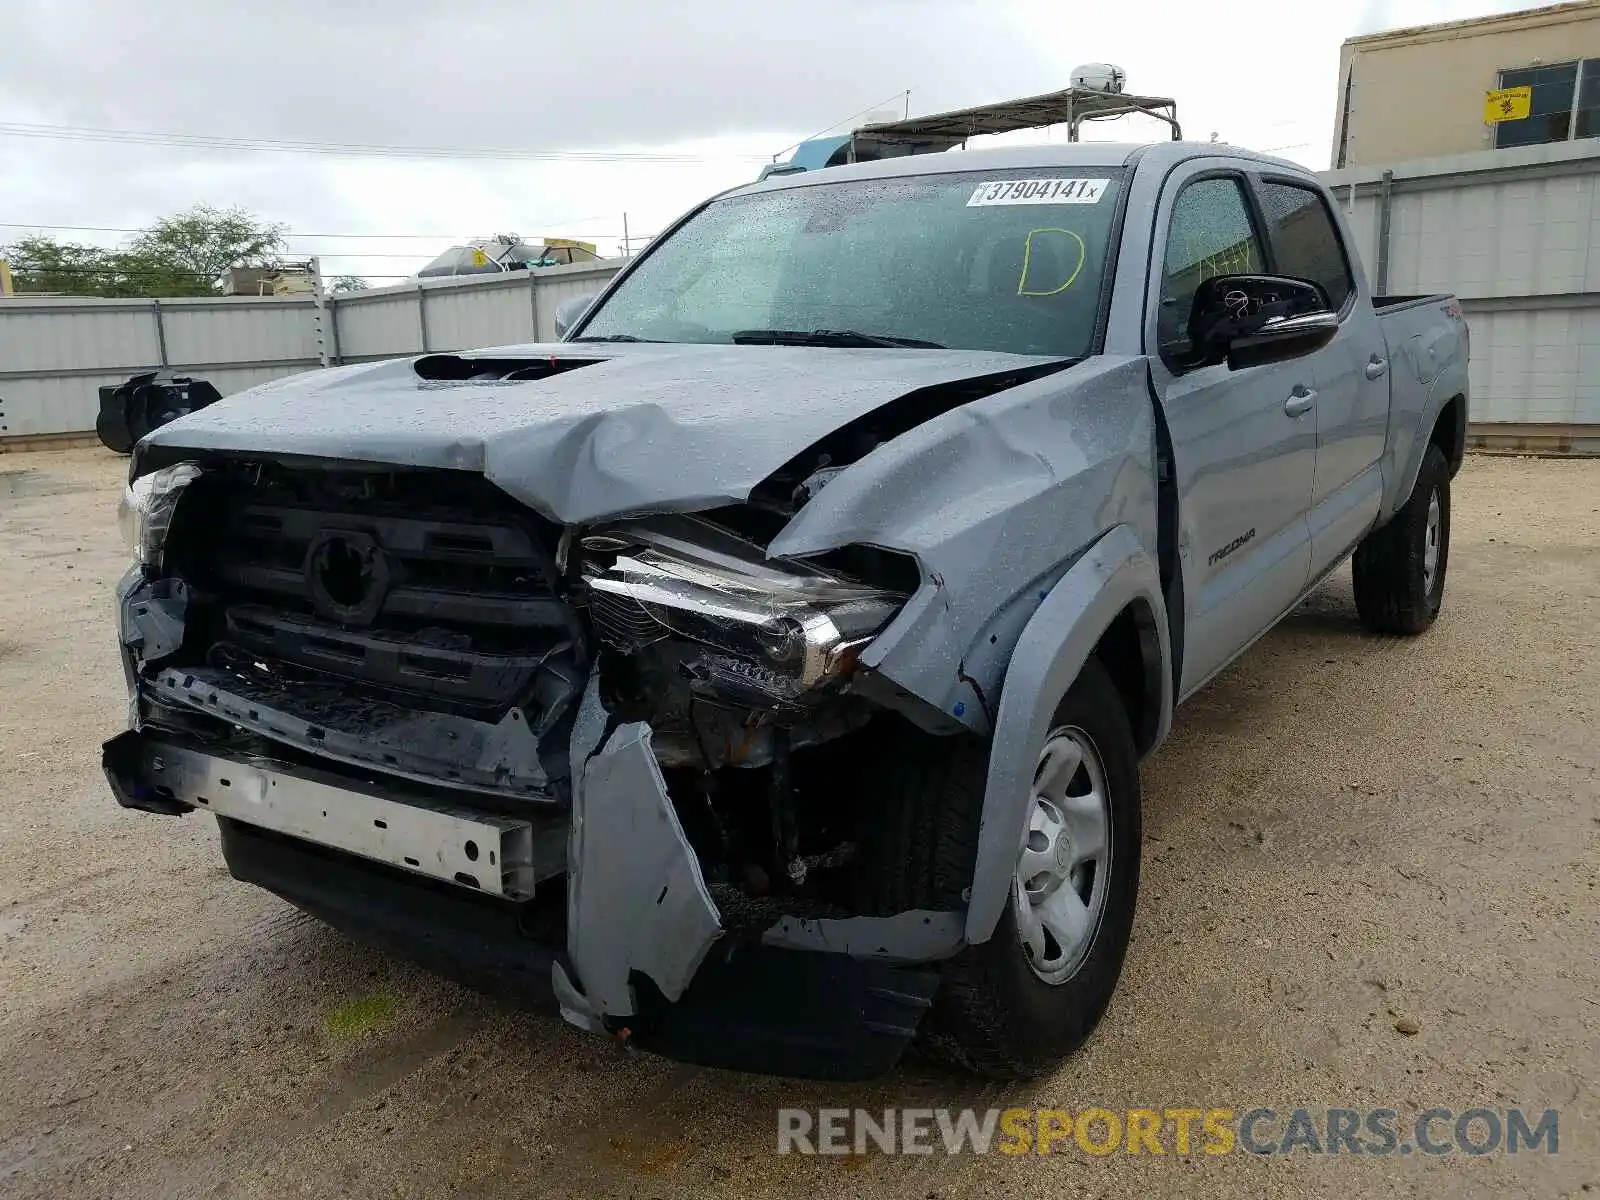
762,671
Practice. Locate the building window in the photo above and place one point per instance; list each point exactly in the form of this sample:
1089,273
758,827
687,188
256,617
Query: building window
1588,123
1566,104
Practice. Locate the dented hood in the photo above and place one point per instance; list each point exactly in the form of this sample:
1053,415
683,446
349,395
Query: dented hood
638,428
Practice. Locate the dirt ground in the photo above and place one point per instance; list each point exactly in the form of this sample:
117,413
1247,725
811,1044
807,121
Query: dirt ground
1343,834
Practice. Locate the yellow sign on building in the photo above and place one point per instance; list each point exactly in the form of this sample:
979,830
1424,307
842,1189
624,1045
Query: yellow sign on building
1507,104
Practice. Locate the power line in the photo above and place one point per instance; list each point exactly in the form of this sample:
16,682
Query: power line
304,253
307,252
36,268
905,95
432,237
138,273
196,141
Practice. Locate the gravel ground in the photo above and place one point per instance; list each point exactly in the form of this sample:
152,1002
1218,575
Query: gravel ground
1344,834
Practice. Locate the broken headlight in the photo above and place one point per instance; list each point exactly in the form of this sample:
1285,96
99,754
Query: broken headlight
765,630
145,512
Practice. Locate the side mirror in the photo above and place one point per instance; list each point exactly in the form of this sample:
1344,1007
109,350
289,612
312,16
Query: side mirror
1249,320
570,311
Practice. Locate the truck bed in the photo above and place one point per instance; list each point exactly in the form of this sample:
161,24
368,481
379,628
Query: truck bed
1420,329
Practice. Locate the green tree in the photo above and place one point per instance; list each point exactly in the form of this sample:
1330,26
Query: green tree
42,264
186,254
181,255
341,284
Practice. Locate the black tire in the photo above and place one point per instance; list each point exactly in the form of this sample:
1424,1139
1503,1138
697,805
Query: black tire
113,434
1393,592
993,1015
922,806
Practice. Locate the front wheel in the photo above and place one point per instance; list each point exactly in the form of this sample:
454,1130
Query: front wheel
1399,570
1017,1004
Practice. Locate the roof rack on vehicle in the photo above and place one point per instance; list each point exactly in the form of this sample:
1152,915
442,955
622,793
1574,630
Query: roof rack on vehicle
1096,95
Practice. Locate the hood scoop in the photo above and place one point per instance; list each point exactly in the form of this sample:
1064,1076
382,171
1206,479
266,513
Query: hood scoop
461,368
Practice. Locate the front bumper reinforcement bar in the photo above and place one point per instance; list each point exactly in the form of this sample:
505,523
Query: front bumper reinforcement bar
498,855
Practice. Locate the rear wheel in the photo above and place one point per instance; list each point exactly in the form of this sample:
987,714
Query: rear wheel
1020,1002
1399,569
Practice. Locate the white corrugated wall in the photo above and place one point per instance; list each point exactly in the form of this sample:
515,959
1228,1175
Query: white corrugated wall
55,354
1516,235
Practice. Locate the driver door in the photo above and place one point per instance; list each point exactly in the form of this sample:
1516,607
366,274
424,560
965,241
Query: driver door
1244,441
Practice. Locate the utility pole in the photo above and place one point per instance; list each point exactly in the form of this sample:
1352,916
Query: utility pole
320,312
624,235
1349,141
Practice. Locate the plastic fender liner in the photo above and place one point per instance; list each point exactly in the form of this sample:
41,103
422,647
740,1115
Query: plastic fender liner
1048,656
636,898
150,615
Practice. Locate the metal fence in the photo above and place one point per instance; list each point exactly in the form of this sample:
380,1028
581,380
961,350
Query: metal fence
1515,233
56,353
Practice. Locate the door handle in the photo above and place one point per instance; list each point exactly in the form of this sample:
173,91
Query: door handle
1377,367
1300,401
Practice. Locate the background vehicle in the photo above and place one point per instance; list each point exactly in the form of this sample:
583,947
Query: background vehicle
507,252
777,651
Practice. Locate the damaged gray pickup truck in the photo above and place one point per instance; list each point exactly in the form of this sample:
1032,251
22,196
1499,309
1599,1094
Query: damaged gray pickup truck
763,670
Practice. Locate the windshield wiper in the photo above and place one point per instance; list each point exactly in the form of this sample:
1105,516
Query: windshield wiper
614,337
826,337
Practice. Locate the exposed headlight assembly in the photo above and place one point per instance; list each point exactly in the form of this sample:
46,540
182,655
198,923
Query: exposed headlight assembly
145,512
771,630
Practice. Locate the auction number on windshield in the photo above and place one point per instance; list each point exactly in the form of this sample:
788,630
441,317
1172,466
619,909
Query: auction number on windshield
1038,191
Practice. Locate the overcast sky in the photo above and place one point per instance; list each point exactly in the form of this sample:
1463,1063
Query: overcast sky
726,81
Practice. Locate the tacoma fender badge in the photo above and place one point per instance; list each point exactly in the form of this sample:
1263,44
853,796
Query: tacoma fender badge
1244,537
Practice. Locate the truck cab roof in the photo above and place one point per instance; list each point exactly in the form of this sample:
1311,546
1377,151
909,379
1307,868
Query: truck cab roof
1052,155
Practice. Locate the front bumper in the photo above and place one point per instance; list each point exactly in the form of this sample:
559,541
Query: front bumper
750,1008
610,942
440,841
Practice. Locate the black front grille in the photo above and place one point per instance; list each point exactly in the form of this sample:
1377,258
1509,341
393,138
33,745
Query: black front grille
432,584
623,623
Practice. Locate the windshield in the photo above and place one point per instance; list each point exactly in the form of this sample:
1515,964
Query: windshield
999,260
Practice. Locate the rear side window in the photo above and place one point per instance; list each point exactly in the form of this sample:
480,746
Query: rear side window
1304,241
1210,234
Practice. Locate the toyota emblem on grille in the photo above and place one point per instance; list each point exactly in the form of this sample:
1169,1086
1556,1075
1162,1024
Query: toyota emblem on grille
347,576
